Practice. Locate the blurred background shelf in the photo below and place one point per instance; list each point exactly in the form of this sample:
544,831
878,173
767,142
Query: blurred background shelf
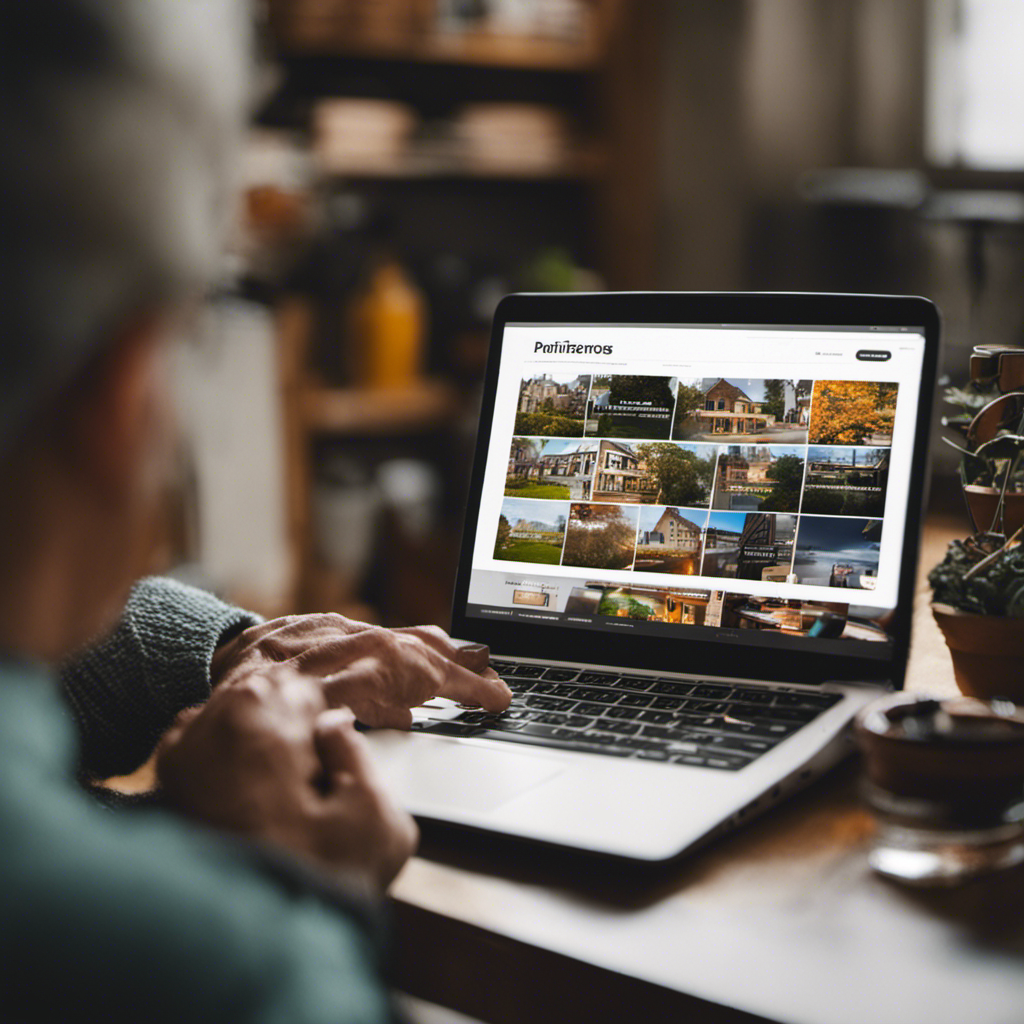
424,405
415,31
473,157
324,36
470,148
581,166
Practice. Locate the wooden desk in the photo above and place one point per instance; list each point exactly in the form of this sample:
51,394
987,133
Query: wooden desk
781,921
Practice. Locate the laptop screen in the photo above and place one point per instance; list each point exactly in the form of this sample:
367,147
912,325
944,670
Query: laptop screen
746,484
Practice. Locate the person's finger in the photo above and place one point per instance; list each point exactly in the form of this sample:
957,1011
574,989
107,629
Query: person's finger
298,692
342,750
382,716
489,691
476,657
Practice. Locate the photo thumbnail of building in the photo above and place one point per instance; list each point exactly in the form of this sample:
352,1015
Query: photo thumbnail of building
663,472
846,481
734,409
552,469
552,405
750,546
858,412
621,474
838,552
754,478
601,536
636,406
531,531
652,604
670,539
825,620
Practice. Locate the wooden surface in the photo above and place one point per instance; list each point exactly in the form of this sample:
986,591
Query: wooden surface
781,921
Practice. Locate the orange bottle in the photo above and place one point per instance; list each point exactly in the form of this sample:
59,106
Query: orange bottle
387,328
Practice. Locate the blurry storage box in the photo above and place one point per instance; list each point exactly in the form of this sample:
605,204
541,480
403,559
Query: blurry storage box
513,137
357,135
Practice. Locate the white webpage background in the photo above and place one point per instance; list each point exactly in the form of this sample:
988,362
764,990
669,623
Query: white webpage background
709,352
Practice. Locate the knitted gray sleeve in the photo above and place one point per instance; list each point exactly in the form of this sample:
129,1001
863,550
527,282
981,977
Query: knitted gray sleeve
125,690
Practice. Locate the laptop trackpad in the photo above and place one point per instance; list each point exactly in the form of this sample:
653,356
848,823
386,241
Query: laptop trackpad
444,775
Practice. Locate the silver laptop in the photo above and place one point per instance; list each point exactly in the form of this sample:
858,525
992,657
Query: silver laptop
690,545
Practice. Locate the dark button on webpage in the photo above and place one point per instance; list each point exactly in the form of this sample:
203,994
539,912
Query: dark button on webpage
874,355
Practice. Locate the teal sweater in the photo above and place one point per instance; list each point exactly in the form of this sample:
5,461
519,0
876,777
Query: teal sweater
137,914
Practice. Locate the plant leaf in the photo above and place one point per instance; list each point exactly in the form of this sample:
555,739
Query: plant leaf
1005,446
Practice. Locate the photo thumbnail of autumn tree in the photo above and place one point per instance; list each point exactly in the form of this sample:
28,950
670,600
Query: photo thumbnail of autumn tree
601,536
683,476
853,412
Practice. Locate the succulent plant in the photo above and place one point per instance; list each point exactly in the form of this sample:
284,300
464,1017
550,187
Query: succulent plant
983,574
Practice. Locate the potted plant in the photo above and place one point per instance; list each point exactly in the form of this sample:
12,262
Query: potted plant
989,425
978,602
978,589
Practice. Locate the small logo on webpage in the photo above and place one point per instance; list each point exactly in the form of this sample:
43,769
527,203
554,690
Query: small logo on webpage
571,348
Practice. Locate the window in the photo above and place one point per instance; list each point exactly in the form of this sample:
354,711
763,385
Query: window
975,87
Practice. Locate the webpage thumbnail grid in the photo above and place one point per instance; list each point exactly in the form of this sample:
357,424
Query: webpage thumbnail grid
774,480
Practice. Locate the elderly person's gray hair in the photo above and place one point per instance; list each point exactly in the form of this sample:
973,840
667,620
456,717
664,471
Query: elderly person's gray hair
119,120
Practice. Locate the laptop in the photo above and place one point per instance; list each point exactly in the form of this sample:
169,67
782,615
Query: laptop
690,545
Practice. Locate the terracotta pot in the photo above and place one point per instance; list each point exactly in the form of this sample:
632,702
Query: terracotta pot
982,502
987,652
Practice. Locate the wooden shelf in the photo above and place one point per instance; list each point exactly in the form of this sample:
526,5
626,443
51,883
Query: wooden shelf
325,36
579,167
354,411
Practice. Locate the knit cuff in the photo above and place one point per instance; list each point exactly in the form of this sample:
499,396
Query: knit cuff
125,691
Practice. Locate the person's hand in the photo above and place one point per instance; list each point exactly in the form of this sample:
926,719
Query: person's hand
379,673
266,758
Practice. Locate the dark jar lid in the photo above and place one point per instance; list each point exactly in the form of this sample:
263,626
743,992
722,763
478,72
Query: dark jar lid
961,756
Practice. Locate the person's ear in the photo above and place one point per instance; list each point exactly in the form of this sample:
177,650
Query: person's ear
118,414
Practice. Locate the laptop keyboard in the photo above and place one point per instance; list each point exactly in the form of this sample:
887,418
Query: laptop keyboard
705,724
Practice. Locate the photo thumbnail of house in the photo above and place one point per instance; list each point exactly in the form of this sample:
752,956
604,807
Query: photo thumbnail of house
635,406
735,409
670,539
552,405
649,472
846,481
531,531
753,478
751,546
543,468
835,551
601,536
857,412
622,474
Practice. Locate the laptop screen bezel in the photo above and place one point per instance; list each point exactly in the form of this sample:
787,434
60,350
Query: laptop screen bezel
685,655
